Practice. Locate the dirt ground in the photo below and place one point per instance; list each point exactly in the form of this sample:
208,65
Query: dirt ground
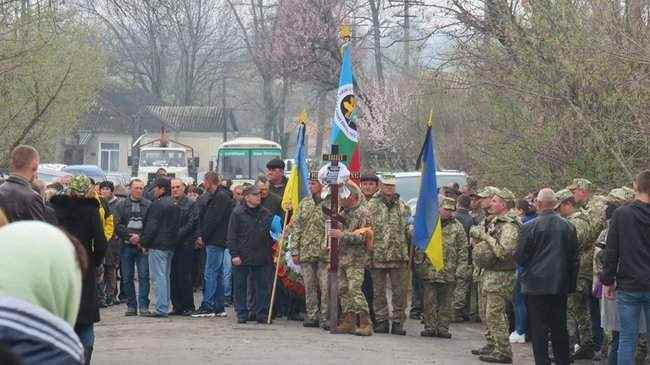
188,341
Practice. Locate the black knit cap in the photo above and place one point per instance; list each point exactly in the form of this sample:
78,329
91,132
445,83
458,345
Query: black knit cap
107,184
275,163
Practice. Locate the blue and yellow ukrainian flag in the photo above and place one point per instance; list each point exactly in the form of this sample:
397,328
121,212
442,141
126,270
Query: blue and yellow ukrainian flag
427,234
297,186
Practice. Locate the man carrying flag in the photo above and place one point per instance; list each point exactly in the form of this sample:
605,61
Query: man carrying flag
439,285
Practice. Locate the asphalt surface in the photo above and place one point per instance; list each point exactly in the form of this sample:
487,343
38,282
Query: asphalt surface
186,340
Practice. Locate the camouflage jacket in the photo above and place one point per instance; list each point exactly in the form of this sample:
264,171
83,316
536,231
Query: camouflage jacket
351,249
391,234
499,243
595,209
584,229
308,239
454,247
501,277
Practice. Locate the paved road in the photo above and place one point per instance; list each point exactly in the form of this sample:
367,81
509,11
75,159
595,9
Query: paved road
190,341
185,341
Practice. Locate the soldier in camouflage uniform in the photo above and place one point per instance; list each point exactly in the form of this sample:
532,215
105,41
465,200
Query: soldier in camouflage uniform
390,256
309,250
481,203
579,302
353,257
494,253
439,285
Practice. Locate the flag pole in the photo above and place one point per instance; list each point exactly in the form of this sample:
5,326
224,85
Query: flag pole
277,266
302,119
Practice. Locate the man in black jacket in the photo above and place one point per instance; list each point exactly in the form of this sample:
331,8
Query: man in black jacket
128,219
627,265
548,253
17,198
250,244
160,236
181,278
215,206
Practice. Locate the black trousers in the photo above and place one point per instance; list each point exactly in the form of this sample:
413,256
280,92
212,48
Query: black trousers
182,294
548,314
368,292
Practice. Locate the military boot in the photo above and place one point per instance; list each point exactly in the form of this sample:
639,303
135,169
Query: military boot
348,325
365,325
487,349
429,333
397,329
496,359
444,333
381,327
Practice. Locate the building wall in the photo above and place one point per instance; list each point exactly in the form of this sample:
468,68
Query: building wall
204,145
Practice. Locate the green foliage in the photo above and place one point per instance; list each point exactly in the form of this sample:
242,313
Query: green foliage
563,94
48,79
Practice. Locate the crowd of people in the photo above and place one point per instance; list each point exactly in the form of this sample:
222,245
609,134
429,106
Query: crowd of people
571,266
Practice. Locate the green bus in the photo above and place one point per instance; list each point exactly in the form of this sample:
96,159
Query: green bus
244,159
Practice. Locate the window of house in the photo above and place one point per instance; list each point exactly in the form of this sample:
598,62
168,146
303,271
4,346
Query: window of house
110,156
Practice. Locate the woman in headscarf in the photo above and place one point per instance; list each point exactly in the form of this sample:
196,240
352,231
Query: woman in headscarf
79,215
40,288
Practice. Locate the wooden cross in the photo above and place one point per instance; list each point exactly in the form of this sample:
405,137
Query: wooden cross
332,280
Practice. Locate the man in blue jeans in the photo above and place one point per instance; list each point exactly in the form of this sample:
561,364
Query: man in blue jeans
626,272
160,236
215,206
129,216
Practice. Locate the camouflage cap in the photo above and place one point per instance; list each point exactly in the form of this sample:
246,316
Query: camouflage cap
79,184
505,194
621,196
562,196
580,183
487,192
388,179
448,203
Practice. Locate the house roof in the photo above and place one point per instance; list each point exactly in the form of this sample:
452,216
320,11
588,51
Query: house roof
194,118
116,109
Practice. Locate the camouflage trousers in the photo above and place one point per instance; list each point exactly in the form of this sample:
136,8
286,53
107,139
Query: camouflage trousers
437,306
579,311
481,299
350,280
314,276
498,333
398,278
461,296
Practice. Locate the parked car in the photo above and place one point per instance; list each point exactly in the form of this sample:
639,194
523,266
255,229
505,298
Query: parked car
408,184
118,178
49,175
91,171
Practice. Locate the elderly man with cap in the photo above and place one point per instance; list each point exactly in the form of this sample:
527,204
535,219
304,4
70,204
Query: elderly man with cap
309,250
249,242
580,302
275,174
594,206
494,253
390,256
439,285
548,253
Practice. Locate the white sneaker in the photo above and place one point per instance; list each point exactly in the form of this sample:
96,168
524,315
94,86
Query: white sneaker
222,315
517,338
